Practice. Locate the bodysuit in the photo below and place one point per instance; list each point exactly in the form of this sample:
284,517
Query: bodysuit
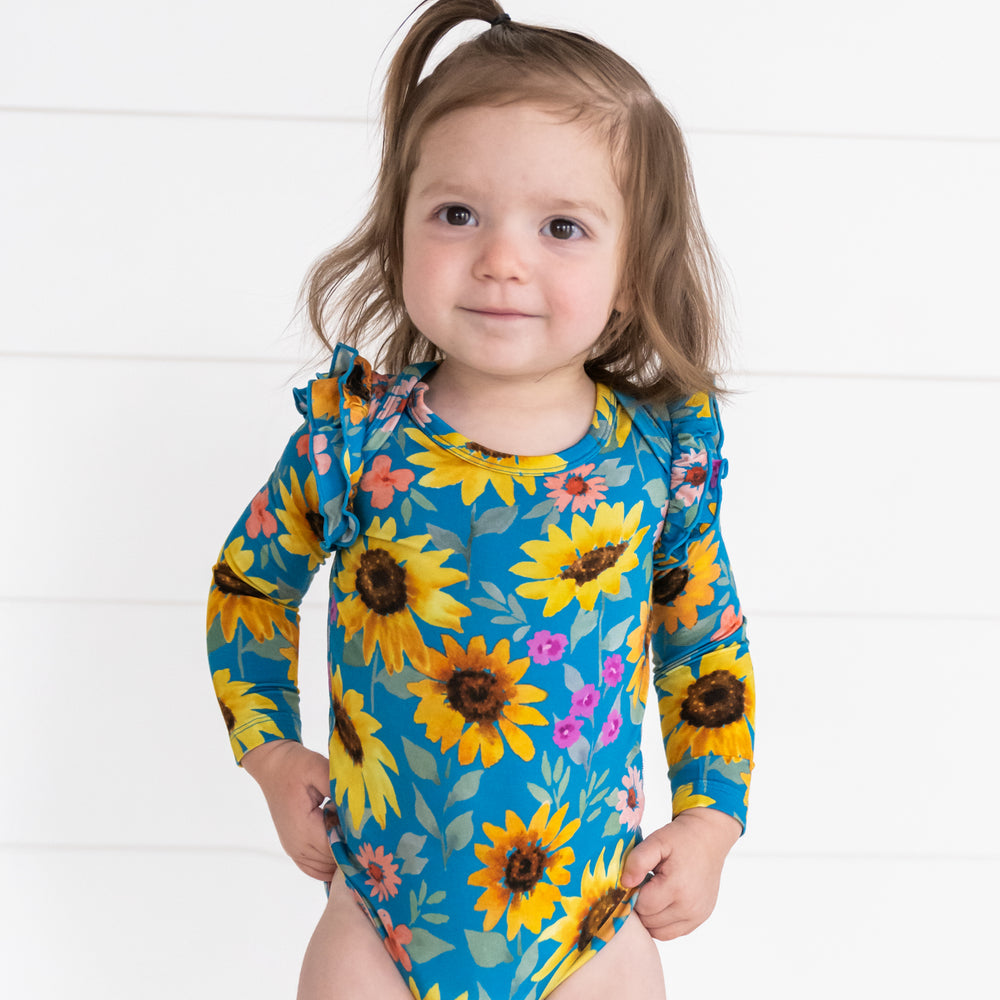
493,620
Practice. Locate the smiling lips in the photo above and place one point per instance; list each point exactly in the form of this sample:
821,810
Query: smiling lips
499,313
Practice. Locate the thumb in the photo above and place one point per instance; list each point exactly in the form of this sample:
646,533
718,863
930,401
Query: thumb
642,859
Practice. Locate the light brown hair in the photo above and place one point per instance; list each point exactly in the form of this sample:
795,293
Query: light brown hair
666,341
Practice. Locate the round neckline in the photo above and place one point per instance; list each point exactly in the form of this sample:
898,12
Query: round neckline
445,436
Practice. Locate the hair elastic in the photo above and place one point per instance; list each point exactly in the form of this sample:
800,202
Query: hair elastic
499,20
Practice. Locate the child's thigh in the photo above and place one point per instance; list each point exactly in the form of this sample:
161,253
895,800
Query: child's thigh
346,959
627,967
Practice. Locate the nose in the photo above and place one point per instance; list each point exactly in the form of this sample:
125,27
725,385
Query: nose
501,256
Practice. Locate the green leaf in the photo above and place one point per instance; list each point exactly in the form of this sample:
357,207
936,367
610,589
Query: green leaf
614,637
422,763
489,949
547,767
573,679
594,814
485,602
539,793
458,833
658,492
558,769
464,788
614,824
425,945
564,782
444,539
436,897
520,633
495,592
579,750
436,918
422,500
424,816
526,966
585,623
516,609
540,509
624,591
495,521
398,683
406,510
410,845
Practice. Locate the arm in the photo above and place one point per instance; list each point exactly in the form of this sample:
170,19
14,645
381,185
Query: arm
703,679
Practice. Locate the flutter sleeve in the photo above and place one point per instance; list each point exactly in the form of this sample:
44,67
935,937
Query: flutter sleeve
702,673
275,549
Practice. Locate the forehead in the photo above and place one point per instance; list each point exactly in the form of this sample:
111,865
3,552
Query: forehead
521,144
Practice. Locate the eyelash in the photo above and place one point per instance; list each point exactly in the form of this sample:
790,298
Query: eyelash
579,231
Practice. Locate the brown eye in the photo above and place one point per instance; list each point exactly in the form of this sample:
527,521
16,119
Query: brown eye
563,229
456,215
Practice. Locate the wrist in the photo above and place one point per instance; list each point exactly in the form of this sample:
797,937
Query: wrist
722,828
258,761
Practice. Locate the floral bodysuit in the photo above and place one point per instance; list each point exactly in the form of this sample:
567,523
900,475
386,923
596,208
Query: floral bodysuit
490,622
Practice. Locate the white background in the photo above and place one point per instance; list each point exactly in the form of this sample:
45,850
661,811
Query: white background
169,171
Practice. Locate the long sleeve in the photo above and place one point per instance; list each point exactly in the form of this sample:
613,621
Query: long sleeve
702,671
275,549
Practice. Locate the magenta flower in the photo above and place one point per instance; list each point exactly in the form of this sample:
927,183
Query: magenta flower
611,728
545,647
585,701
613,669
566,732
260,519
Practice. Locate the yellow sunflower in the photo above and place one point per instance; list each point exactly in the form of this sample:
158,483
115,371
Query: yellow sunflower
680,590
638,640
473,699
685,799
709,709
358,759
588,916
434,993
607,406
449,467
584,564
386,583
244,713
302,520
237,597
516,862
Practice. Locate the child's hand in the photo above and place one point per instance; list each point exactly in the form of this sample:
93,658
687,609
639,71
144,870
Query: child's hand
686,858
295,781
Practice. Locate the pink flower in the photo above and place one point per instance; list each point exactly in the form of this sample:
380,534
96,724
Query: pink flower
631,799
382,482
613,669
260,519
382,875
567,731
730,622
395,938
321,459
574,487
585,701
611,728
688,475
545,647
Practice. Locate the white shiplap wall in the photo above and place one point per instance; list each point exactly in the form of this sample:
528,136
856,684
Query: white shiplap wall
169,171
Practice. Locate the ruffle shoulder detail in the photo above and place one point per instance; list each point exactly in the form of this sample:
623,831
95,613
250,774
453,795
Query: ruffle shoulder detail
686,437
336,407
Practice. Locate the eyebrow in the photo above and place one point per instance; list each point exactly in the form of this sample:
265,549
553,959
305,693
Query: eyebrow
461,192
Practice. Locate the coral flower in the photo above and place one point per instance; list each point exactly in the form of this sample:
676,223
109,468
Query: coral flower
709,709
473,698
588,562
385,583
382,481
358,758
382,873
524,866
395,939
261,520
574,488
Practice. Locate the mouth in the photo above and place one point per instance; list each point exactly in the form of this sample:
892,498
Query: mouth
498,313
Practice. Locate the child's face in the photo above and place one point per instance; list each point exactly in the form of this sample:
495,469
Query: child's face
512,242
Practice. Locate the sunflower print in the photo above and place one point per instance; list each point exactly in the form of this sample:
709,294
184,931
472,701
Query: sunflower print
584,564
473,698
246,713
709,709
680,590
525,865
389,582
358,758
588,916
492,628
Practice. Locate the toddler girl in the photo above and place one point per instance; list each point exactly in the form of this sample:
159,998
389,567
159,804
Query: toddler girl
520,515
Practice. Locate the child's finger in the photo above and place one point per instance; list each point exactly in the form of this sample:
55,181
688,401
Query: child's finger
643,859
